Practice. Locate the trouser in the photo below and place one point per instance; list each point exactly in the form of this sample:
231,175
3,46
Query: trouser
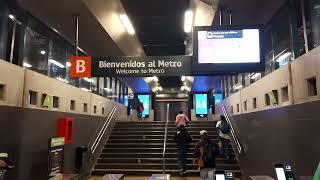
182,158
207,173
225,149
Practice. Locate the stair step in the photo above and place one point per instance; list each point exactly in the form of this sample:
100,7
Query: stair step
147,141
148,172
141,150
157,160
154,137
147,155
159,166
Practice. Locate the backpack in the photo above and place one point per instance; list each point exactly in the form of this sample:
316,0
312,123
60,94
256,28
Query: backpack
224,127
209,153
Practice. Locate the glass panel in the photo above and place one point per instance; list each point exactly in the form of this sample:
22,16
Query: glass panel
57,60
36,51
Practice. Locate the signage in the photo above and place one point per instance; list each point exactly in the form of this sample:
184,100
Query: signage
130,66
201,104
273,99
80,66
56,147
59,141
3,155
48,101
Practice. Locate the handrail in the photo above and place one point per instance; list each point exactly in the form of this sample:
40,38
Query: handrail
102,131
165,141
239,148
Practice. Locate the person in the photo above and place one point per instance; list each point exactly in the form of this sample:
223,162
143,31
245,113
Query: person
224,138
205,153
183,139
182,119
140,109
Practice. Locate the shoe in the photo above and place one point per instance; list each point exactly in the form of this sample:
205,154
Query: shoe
181,172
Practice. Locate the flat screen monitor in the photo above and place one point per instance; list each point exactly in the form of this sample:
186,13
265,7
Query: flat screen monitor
281,175
218,98
220,177
227,50
201,104
145,99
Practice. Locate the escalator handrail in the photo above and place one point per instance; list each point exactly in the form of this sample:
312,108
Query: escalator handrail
234,135
102,130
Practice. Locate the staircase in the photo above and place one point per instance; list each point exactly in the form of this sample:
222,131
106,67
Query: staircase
135,148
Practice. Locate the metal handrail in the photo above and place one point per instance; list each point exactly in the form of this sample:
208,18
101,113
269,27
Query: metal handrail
236,139
165,142
102,131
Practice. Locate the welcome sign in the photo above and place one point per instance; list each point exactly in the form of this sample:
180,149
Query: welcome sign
130,66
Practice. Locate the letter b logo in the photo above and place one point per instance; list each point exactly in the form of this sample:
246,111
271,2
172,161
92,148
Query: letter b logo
80,66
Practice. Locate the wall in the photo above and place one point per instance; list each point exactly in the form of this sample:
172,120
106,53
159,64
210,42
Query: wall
294,76
303,68
287,134
26,129
283,133
19,82
12,77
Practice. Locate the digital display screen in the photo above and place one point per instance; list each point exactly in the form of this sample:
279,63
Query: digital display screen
218,98
125,100
220,177
228,49
280,173
229,46
145,100
201,104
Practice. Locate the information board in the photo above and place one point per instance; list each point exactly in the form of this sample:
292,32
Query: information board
55,162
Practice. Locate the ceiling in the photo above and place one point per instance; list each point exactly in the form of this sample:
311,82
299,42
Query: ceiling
158,25
248,12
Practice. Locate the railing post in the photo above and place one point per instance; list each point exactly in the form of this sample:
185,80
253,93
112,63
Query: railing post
165,141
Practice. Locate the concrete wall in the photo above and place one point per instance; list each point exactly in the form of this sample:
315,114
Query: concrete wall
282,133
12,78
303,68
18,83
26,128
294,76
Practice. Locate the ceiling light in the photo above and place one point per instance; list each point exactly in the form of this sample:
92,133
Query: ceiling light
127,24
85,89
43,52
107,89
187,88
56,63
27,65
88,80
62,80
68,64
255,75
11,16
183,78
284,57
155,78
237,86
188,19
160,89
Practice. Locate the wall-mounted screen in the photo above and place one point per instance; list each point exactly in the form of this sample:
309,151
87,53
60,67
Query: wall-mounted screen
218,98
145,99
201,104
227,50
